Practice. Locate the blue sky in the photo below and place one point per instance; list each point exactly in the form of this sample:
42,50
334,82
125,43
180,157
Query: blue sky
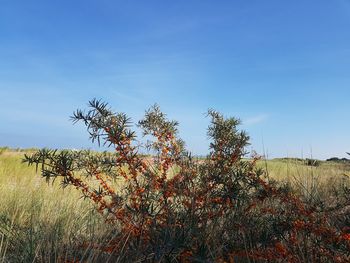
283,67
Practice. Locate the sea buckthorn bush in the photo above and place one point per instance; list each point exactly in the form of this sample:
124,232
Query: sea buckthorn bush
172,207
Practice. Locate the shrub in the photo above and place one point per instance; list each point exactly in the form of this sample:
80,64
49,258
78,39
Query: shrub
175,208
339,160
312,162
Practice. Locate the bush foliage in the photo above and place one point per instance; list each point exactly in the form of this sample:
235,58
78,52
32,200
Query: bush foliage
175,208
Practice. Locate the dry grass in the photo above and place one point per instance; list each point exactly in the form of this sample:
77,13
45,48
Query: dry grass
35,216
308,181
41,222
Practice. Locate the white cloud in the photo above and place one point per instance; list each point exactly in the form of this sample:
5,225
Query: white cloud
256,119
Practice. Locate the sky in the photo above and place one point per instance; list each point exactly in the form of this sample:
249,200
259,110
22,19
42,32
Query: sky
282,67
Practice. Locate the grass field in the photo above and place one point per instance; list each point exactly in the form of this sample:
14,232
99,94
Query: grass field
35,216
308,180
41,222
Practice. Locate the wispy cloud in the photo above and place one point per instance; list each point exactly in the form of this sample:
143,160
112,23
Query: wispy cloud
256,119
126,97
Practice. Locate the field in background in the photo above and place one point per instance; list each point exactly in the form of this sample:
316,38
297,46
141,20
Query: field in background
35,216
307,180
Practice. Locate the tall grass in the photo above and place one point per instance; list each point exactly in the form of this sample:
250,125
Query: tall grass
40,222
311,182
45,223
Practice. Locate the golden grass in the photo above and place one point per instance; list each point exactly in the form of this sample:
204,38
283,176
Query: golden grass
36,217
40,222
309,181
